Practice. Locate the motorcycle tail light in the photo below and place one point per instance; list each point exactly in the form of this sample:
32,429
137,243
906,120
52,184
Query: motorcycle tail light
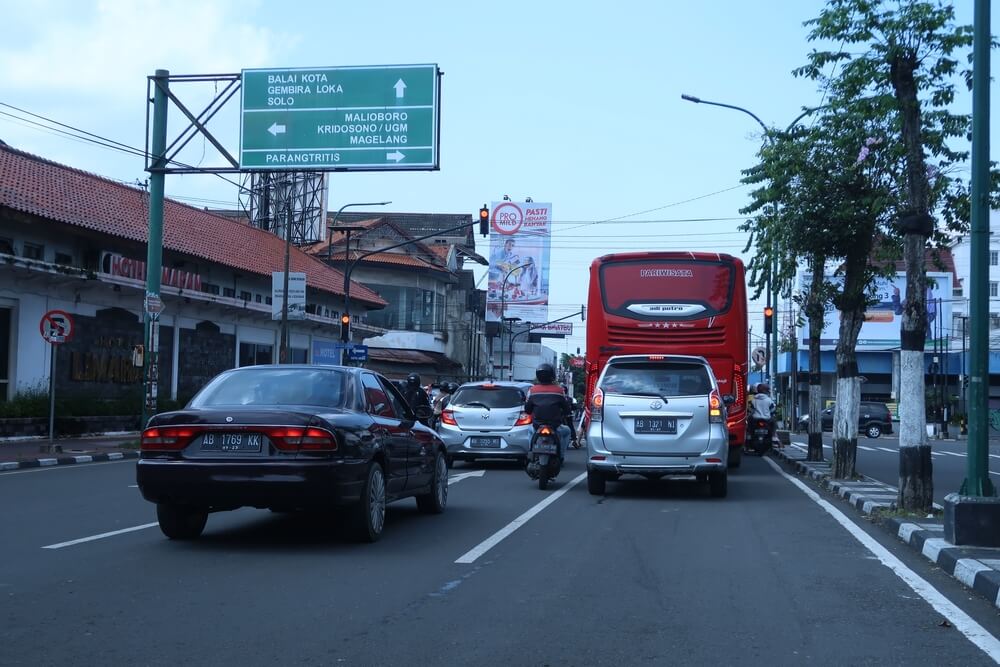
448,417
545,430
714,407
523,419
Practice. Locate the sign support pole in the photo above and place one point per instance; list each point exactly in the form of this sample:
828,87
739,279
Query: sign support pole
154,243
52,397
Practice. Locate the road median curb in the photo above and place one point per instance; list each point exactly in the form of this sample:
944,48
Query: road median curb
49,461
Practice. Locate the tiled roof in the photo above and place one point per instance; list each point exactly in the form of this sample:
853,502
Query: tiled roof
56,192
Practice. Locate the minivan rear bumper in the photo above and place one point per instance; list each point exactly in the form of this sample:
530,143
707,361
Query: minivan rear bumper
682,466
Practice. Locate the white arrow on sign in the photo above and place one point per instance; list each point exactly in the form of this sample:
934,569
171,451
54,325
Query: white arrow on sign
397,156
400,87
465,475
276,129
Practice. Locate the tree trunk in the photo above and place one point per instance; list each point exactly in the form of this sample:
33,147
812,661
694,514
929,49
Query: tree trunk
852,315
815,311
916,473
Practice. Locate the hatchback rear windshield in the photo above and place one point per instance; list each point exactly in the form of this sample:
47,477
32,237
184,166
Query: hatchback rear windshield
265,387
657,378
489,397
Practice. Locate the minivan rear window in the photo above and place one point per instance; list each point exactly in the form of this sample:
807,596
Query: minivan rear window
489,397
656,378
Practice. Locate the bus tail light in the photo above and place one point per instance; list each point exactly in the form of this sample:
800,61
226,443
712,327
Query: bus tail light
597,406
714,407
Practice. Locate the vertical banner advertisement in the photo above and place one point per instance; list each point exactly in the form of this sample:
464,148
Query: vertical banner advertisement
296,295
520,235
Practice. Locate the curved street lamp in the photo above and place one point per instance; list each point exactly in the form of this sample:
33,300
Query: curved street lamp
503,310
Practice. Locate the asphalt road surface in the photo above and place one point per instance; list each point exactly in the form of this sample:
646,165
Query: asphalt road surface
651,573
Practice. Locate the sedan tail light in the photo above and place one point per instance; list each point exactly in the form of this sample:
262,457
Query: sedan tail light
597,406
714,407
448,417
294,438
167,438
523,419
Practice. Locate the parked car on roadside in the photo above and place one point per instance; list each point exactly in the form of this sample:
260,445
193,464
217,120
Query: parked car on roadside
657,415
874,419
486,420
289,438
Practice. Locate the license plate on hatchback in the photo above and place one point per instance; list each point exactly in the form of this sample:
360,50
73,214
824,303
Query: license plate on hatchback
656,425
231,442
489,443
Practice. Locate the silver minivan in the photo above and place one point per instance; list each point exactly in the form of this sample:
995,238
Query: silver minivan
486,420
657,415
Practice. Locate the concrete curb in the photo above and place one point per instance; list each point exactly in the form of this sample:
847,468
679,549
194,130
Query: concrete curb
977,568
67,460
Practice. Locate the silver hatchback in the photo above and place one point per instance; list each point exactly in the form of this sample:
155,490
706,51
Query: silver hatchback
657,415
486,420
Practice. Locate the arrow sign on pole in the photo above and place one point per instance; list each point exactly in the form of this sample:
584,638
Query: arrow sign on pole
396,155
400,87
276,129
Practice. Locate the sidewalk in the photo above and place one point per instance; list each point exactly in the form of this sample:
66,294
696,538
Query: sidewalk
19,453
978,568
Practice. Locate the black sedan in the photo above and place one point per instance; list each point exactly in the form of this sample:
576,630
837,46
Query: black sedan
291,438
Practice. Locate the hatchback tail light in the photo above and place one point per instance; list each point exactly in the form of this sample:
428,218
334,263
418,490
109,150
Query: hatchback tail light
597,406
714,407
167,438
448,417
523,419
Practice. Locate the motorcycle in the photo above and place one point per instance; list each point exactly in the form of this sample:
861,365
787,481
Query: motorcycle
759,435
544,461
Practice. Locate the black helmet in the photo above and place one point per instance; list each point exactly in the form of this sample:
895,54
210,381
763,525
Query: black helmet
545,373
413,380
451,387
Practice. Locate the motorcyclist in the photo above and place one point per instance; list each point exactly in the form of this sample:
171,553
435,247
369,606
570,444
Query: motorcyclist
442,399
414,394
762,406
548,404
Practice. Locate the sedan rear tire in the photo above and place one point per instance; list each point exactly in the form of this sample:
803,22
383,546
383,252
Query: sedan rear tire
181,523
436,498
369,514
873,430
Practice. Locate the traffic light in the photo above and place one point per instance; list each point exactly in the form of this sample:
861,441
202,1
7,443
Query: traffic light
768,319
345,328
484,220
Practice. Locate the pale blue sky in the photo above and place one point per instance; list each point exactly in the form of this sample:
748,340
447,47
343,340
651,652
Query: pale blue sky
577,104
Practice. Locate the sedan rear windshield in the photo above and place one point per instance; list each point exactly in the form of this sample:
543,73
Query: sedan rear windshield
657,378
487,397
263,387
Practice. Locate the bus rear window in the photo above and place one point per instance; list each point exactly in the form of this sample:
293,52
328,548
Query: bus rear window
666,289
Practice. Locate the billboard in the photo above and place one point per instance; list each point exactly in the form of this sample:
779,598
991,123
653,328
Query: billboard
883,319
296,295
520,234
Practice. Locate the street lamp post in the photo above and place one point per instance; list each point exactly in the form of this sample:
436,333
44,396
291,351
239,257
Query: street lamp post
347,249
772,287
503,310
510,342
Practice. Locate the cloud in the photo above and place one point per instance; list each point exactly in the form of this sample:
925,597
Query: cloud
107,49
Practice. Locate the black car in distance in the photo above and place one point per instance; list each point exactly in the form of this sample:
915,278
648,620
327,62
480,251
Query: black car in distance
287,438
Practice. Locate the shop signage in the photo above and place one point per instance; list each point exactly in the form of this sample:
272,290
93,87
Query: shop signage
116,265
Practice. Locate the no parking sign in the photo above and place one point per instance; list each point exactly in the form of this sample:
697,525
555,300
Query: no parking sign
56,327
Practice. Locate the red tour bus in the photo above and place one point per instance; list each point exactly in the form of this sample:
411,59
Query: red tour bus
673,303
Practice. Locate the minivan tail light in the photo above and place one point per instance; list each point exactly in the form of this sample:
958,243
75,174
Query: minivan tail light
523,419
714,407
448,417
166,438
597,406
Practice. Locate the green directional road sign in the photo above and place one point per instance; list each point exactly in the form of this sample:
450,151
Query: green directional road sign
340,118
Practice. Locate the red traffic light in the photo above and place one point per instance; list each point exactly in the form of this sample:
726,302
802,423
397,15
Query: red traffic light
768,311
345,319
484,220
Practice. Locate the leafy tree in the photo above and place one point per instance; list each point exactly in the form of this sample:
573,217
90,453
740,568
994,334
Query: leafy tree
905,77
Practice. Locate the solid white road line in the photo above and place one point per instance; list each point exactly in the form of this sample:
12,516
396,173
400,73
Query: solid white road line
962,622
99,537
497,537
51,468
886,449
867,449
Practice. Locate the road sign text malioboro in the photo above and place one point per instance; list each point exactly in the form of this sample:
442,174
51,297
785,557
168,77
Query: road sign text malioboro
340,118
